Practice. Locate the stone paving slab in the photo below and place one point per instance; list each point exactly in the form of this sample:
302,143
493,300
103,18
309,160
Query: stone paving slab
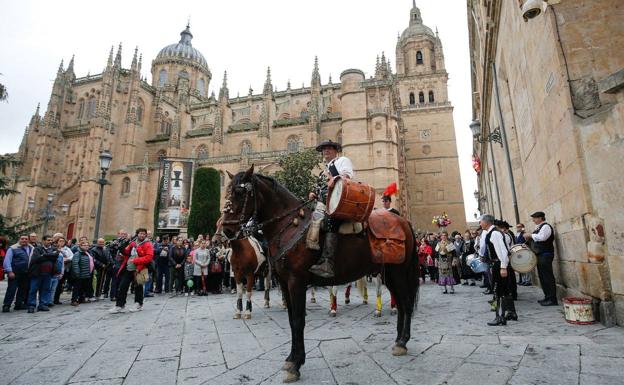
194,340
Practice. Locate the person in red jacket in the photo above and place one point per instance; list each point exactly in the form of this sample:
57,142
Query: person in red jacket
137,255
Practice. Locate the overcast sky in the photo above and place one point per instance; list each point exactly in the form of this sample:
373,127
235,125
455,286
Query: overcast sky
240,36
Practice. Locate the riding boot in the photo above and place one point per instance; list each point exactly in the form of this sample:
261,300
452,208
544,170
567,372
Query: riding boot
510,307
325,267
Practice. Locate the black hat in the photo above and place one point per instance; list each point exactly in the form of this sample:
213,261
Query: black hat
506,225
386,198
538,214
329,143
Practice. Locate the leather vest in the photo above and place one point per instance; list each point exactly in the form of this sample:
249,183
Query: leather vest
547,246
491,251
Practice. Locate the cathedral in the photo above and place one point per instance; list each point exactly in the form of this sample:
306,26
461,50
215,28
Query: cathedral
396,126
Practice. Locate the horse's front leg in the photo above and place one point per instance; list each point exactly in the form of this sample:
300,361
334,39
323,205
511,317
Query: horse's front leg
297,294
239,300
378,303
250,282
267,287
333,301
288,363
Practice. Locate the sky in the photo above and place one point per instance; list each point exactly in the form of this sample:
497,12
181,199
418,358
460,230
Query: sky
243,37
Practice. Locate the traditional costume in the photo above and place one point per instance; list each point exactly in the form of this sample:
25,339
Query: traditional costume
445,258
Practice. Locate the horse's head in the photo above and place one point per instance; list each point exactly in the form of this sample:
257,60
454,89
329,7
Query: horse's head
241,202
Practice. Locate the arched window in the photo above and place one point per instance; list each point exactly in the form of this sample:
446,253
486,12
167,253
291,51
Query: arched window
419,57
91,108
421,97
201,87
125,186
431,98
162,78
292,143
165,127
139,111
245,147
412,99
162,154
202,152
81,107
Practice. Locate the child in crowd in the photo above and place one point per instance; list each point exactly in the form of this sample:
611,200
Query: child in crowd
189,266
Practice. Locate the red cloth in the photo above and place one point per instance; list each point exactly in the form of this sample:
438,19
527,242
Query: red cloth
424,250
145,254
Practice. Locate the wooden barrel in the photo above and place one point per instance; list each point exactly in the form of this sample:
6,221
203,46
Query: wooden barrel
578,311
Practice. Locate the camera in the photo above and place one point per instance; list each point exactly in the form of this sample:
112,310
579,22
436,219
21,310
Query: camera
532,8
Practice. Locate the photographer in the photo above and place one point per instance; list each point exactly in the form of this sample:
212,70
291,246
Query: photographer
137,256
102,260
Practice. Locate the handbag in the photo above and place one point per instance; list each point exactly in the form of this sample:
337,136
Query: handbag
215,267
141,277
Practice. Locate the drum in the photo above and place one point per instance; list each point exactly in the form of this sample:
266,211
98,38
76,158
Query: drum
470,258
350,200
522,259
478,266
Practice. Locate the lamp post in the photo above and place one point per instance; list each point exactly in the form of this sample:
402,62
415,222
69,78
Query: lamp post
48,214
493,136
105,161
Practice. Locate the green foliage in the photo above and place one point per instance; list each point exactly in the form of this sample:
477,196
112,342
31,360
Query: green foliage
7,162
157,204
205,206
296,172
3,92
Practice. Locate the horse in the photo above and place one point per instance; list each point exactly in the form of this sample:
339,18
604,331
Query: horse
256,201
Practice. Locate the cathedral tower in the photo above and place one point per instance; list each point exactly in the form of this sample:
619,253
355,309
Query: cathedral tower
433,182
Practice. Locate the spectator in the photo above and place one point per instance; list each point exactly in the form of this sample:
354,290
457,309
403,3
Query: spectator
82,266
162,253
200,272
59,270
102,260
189,267
215,271
67,255
178,256
467,248
42,267
15,265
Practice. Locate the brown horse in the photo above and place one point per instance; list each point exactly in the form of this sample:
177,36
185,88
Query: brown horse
284,219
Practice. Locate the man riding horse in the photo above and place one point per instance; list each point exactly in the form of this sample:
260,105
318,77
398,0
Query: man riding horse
335,166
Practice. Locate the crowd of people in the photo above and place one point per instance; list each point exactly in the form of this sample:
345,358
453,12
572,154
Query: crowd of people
39,271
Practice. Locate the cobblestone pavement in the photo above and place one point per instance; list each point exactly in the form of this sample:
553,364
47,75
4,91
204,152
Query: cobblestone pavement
194,340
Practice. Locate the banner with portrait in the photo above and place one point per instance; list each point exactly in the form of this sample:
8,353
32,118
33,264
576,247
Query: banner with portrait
175,194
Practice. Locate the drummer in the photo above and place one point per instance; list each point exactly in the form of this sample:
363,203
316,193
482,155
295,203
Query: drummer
334,166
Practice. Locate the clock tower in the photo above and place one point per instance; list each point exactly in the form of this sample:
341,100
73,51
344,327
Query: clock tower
431,152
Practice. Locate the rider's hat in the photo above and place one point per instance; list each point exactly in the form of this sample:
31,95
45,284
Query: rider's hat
329,143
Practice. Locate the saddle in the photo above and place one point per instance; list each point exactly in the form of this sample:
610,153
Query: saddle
386,237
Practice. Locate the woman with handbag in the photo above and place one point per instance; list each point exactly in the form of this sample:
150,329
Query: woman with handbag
138,254
215,272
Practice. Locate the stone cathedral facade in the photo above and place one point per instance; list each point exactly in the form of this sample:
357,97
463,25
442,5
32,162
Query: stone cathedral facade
395,126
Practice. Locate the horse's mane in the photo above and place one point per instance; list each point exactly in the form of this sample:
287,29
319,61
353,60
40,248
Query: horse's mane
276,186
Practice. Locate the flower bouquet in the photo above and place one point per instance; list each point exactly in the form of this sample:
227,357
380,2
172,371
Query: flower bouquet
441,220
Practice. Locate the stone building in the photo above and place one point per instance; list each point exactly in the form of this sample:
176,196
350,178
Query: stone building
394,126
548,124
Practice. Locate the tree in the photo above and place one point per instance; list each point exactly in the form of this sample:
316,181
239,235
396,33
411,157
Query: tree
296,172
3,92
11,231
206,199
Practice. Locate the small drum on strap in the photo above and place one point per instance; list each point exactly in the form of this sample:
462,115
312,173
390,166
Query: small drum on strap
350,200
522,259
478,266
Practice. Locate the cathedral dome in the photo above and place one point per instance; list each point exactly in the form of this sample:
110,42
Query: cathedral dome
416,27
182,50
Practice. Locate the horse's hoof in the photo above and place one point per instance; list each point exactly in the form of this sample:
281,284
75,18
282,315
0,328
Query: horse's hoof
237,316
377,313
347,301
291,376
313,300
247,316
332,313
288,365
399,350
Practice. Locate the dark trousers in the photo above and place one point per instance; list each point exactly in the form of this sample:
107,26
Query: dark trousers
101,277
114,289
179,279
502,285
546,276
433,273
513,284
59,288
162,270
80,289
17,289
126,278
107,281
89,290
39,284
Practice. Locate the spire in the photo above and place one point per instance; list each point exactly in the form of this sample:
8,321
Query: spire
109,62
377,67
60,69
118,57
330,79
134,59
415,17
268,87
70,67
140,62
224,93
250,90
288,85
38,109
186,36
316,76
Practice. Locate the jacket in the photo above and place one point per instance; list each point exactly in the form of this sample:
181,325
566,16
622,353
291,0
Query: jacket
81,265
177,256
145,255
101,256
43,261
162,253
17,259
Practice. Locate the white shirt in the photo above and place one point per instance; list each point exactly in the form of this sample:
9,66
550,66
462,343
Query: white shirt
498,241
543,234
343,165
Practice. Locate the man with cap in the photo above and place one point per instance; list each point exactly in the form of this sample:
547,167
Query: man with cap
543,245
335,166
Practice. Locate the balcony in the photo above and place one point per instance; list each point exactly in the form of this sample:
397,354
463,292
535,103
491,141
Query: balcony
425,106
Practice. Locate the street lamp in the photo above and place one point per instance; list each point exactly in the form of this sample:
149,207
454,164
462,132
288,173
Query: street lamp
48,214
105,162
494,136
64,208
